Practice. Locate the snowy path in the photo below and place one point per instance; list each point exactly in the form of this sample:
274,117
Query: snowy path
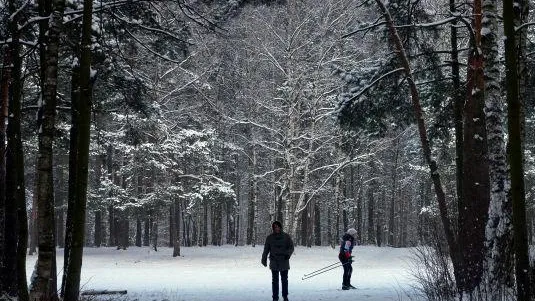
235,274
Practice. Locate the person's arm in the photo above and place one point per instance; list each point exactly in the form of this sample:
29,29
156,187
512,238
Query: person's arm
267,248
347,248
290,246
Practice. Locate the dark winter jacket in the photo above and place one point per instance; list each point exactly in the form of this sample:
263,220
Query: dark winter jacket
346,247
280,247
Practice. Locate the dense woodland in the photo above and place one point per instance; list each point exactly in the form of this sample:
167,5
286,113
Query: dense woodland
129,123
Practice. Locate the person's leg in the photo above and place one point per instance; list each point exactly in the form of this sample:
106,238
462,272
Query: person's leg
349,276
275,284
284,281
345,278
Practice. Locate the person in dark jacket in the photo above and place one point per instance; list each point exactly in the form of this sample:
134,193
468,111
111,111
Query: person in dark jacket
280,247
346,247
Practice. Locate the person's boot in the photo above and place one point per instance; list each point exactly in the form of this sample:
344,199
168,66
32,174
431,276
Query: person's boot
345,287
351,287
285,299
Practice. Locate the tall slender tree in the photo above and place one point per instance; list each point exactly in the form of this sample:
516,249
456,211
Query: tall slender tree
498,230
515,157
81,107
44,280
14,259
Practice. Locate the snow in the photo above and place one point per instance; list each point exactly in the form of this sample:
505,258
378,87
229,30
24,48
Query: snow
231,273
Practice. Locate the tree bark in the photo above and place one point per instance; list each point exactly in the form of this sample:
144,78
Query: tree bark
146,233
73,145
60,202
499,229
176,228
8,206
82,110
458,102
514,152
44,282
392,207
112,239
98,229
15,162
371,208
473,210
15,199
34,222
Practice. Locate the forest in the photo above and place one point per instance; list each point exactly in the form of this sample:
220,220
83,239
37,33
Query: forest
179,123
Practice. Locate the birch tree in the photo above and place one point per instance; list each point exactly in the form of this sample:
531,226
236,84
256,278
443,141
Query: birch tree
498,231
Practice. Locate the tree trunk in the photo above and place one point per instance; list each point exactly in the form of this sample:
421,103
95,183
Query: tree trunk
15,186
522,268
254,199
337,225
34,222
7,279
392,212
371,208
330,231
110,158
208,223
44,281
8,206
73,145
82,110
112,240
225,223
172,231
458,102
60,202
138,232
499,228
123,226
317,226
311,218
154,234
359,201
98,229
473,210
146,233
176,227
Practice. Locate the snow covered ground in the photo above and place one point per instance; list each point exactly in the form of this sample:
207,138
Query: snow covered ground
235,274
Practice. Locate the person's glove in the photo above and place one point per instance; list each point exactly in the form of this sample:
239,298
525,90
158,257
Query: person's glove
264,262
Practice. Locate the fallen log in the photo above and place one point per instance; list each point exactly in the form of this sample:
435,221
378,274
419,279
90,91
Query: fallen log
103,292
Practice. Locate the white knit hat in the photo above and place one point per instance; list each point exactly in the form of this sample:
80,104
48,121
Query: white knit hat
352,232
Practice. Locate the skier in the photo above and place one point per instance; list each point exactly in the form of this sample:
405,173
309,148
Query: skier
279,246
346,247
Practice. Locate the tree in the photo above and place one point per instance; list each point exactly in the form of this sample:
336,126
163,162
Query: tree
515,158
14,256
498,230
81,112
44,283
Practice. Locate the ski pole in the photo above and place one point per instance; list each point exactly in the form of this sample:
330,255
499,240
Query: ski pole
323,268
310,275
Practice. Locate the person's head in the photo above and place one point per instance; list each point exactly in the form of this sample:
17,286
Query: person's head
276,226
352,232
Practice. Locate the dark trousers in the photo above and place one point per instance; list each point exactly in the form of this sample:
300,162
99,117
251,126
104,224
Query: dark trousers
348,269
275,283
